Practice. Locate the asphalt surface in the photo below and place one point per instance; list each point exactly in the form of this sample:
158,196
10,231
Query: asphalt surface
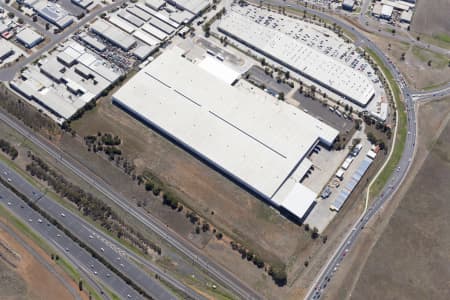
321,282
223,276
216,271
77,256
179,243
7,74
103,245
42,261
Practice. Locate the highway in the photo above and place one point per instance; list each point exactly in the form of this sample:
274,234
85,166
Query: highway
83,260
43,261
394,182
110,249
216,271
181,244
223,276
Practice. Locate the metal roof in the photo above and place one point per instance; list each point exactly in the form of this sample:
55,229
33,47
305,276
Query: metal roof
256,138
299,57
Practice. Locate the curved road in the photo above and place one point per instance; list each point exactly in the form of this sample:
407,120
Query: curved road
402,168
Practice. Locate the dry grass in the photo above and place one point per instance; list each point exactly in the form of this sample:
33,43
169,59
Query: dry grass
410,261
29,279
431,18
224,204
415,66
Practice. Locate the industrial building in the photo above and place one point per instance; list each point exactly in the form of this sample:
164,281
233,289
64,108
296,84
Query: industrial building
29,38
113,34
356,177
348,4
6,50
97,45
406,16
386,12
66,80
193,6
83,3
299,57
258,141
51,12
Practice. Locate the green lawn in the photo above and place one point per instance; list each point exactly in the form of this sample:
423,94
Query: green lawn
400,141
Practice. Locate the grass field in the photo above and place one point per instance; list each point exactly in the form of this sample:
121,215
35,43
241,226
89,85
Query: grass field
431,18
439,61
228,207
410,260
401,130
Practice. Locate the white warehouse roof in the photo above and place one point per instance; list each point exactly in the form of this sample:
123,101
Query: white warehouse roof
299,57
29,37
259,141
113,34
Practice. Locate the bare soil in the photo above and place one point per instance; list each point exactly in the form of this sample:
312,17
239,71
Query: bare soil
401,254
227,206
431,17
28,278
415,66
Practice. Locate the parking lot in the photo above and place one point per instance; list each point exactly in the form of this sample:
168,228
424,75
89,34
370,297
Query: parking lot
258,76
323,113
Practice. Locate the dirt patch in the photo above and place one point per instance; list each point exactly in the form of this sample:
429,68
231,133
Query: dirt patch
231,209
431,17
415,66
398,254
24,277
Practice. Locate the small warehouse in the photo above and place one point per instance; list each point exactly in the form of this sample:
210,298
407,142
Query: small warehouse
348,5
29,38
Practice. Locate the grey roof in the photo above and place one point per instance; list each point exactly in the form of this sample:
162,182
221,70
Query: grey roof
345,192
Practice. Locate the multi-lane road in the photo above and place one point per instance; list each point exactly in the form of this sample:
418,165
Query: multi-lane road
184,246
223,276
93,270
219,273
332,265
112,251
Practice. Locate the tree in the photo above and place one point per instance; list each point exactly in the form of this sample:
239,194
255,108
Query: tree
47,26
402,57
80,285
281,96
315,233
429,63
10,15
313,90
20,21
278,275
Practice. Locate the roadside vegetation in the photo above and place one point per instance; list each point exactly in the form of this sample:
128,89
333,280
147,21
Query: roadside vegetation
8,149
67,232
89,205
400,141
108,145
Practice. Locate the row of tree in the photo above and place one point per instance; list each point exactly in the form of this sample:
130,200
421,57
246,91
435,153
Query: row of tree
89,205
68,233
9,149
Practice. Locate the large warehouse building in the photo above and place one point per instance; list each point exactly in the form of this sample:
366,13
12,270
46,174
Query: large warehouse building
299,58
260,142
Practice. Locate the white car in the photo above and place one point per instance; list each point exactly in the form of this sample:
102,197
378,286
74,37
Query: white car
9,203
63,215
